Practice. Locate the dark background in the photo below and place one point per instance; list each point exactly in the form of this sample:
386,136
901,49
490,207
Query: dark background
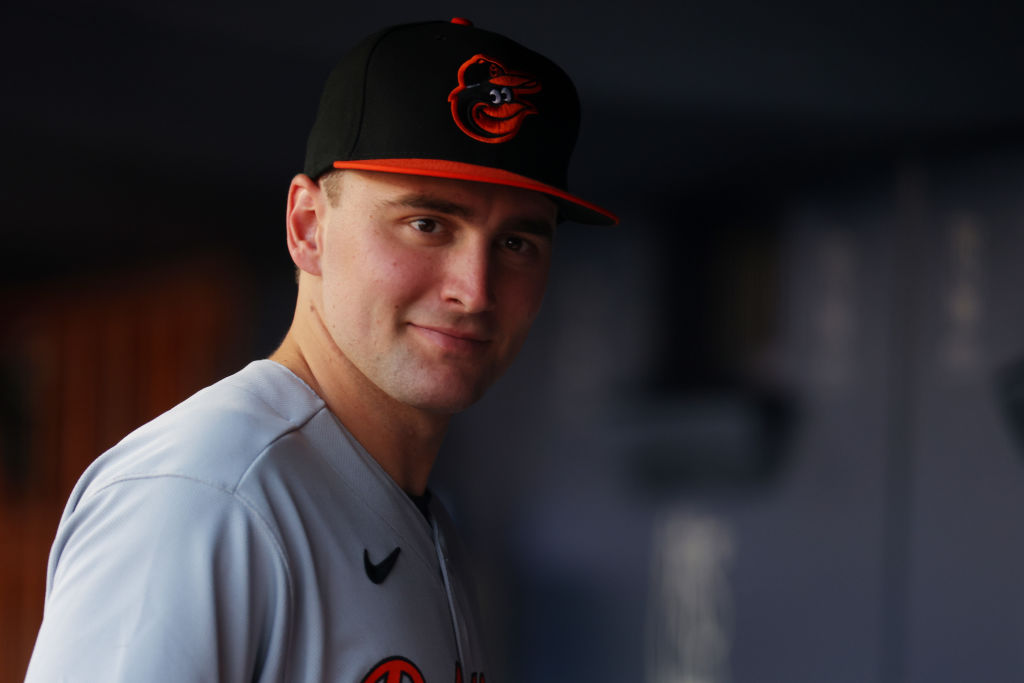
761,430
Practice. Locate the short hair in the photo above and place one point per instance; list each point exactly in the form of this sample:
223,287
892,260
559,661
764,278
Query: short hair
330,183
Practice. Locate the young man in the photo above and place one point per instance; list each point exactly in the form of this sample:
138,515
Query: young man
277,525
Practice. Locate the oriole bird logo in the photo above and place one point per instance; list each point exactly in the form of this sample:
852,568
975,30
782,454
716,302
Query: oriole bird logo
488,103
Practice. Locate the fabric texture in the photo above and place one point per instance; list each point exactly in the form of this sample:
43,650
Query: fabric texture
233,539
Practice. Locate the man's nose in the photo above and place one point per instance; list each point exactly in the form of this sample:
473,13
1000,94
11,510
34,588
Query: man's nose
468,278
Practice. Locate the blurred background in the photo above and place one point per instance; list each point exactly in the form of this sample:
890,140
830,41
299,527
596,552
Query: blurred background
767,430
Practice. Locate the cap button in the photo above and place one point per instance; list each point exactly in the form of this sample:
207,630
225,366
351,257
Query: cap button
461,21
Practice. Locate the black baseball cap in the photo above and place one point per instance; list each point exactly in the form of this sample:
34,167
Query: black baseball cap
448,100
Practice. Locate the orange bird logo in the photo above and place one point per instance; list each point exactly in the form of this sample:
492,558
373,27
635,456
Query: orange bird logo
488,104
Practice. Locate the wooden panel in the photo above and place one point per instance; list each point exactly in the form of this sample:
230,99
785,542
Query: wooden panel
82,365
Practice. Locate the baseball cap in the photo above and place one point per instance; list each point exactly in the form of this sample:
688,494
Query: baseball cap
449,100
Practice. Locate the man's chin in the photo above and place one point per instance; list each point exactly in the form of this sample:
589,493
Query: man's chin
448,397
448,404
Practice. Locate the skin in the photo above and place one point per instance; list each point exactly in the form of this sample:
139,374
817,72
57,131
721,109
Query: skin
415,294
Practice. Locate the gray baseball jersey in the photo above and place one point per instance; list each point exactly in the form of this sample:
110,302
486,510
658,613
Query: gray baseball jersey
246,536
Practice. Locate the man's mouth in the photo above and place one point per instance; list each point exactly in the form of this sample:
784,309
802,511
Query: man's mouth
453,338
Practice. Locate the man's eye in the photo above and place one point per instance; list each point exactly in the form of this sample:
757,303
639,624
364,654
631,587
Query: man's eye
424,225
495,96
516,244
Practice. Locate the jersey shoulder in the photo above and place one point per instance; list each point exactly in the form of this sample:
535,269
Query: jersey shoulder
214,437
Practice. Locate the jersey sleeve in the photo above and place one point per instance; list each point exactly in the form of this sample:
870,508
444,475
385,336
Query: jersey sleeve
163,579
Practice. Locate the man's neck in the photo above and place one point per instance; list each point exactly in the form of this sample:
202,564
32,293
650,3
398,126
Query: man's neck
402,439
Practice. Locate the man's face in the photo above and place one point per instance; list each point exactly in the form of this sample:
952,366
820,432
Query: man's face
429,286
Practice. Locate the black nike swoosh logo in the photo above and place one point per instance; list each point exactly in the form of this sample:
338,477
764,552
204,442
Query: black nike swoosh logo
379,571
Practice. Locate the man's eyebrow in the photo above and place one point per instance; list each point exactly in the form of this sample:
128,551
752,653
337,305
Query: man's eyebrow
532,226
428,202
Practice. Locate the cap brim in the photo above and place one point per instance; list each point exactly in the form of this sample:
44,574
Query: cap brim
570,207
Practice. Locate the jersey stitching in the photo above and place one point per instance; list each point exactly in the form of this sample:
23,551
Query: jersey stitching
273,408
356,447
263,451
266,529
373,509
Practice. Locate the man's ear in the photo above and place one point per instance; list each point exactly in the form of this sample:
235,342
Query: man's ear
305,209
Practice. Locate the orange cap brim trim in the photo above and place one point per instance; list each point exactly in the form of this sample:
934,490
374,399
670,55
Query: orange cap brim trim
440,168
